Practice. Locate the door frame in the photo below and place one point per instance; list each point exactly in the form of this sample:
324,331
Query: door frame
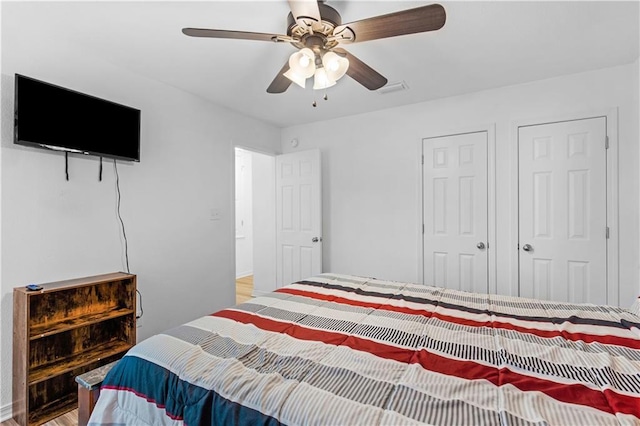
232,227
490,130
611,119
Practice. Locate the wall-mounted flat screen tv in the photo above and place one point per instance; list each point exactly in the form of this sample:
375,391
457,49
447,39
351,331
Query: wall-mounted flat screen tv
50,116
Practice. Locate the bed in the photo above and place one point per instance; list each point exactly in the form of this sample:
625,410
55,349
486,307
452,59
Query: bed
345,350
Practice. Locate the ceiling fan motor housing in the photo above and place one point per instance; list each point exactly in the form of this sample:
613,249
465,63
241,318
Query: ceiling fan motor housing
330,20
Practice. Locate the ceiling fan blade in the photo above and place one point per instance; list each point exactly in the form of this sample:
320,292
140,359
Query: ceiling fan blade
361,72
280,84
241,35
410,21
305,12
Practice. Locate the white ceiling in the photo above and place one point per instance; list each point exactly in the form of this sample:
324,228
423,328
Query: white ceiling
482,45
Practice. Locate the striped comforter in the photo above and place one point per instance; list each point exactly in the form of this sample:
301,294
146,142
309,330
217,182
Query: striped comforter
344,350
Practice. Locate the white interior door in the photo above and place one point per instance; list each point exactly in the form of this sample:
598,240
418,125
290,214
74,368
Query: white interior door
455,214
563,211
298,216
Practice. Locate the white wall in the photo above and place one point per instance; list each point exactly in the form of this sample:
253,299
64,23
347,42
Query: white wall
53,229
5,412
244,213
371,170
635,91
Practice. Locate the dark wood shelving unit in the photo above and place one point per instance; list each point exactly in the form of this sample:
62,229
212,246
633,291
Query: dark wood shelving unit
66,329
44,330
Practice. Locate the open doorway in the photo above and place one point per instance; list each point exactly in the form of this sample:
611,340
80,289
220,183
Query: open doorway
255,221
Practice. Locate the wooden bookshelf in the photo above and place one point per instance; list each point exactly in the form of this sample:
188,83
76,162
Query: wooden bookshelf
66,329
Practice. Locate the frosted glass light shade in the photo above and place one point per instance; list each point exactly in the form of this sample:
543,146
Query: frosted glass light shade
335,65
321,80
302,62
301,66
297,79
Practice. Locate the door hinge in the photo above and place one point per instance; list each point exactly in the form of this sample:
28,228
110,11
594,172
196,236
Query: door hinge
607,232
423,229
422,160
606,142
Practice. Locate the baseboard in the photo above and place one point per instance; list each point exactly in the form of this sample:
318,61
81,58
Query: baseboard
244,274
258,293
6,412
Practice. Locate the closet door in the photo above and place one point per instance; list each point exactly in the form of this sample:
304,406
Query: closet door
455,214
563,211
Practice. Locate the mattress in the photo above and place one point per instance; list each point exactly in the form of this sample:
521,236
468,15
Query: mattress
345,350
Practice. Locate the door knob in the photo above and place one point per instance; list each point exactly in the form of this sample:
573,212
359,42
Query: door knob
480,245
527,247
316,239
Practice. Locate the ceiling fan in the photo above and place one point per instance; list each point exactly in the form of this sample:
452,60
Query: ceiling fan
316,30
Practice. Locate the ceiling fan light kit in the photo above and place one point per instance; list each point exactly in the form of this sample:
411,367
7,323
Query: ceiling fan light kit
316,30
302,65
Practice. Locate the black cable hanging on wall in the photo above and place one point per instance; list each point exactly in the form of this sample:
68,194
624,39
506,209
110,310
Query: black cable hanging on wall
124,233
66,164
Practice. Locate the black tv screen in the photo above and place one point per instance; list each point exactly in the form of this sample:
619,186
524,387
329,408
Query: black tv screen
53,117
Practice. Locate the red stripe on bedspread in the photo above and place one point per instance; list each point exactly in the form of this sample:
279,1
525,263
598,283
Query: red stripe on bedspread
145,397
607,400
587,338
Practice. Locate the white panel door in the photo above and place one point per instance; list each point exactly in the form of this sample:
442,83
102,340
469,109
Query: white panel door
455,214
563,211
298,216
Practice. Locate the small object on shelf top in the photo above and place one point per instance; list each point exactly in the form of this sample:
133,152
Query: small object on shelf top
34,287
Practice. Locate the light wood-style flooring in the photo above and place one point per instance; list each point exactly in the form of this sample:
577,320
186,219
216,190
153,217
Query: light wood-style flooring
244,288
68,419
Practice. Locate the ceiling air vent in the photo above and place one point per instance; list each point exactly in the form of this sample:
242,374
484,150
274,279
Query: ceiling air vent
393,87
